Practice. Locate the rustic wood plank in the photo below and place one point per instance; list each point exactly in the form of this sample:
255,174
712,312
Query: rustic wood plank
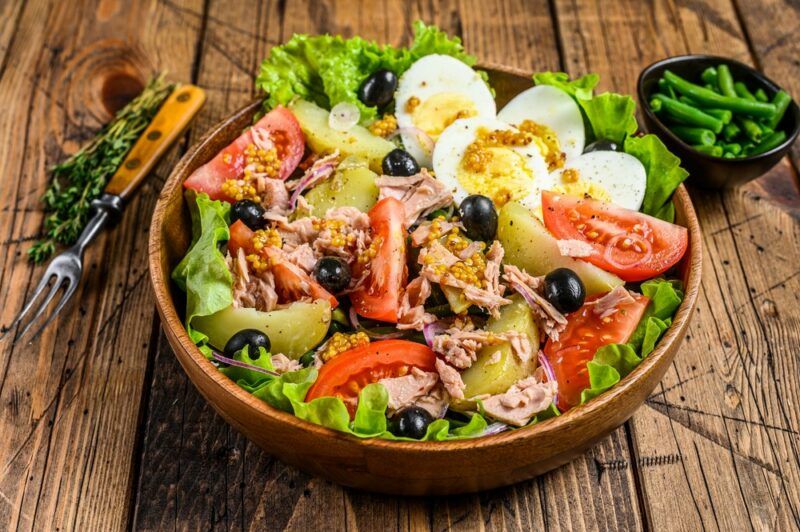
73,397
720,435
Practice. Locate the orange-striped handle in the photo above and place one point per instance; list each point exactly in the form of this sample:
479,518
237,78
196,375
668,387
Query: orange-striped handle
171,120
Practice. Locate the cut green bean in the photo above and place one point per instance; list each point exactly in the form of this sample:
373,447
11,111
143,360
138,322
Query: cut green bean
666,88
709,76
761,95
712,99
695,135
733,147
725,81
751,129
655,105
728,155
731,131
725,115
769,143
743,92
781,102
688,114
714,151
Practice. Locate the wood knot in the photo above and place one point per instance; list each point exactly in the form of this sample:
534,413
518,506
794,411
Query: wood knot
769,308
119,88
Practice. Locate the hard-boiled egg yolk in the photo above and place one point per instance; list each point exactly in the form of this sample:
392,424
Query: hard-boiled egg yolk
547,140
439,111
573,185
501,175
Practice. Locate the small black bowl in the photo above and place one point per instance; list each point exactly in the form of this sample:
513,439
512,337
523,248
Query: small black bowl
705,170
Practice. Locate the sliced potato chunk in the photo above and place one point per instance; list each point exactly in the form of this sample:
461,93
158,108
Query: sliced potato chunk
529,245
292,331
353,185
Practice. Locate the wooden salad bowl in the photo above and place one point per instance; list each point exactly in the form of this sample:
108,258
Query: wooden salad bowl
408,468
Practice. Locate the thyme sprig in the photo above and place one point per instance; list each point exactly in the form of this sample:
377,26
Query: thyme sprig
82,178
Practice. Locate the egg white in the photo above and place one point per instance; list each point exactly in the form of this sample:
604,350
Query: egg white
449,153
552,107
436,74
620,175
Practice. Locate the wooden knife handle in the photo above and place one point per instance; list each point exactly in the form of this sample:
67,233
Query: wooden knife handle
168,124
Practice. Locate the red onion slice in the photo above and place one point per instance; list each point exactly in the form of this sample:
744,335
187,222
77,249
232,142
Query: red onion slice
425,141
524,291
494,428
344,116
548,369
612,244
231,362
430,331
310,179
374,334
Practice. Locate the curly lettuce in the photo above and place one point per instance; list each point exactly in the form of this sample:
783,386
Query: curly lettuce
612,116
328,69
202,273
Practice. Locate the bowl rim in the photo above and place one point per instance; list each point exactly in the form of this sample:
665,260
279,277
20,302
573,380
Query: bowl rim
757,74
580,414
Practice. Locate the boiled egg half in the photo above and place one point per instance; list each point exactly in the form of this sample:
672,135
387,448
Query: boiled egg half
485,156
610,176
436,91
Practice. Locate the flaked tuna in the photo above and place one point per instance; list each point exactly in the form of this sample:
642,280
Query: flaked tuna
521,402
421,194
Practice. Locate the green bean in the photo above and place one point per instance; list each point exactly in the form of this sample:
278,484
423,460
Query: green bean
781,102
725,81
728,155
655,105
743,92
723,114
770,142
666,88
734,148
695,135
731,131
688,114
761,95
710,87
712,99
709,76
751,129
714,151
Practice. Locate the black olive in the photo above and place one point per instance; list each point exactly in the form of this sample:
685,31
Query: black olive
601,145
411,422
332,273
252,338
564,290
399,163
378,89
479,217
249,212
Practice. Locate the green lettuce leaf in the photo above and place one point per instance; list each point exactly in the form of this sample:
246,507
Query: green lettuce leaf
610,115
202,273
580,88
247,377
664,174
329,69
614,361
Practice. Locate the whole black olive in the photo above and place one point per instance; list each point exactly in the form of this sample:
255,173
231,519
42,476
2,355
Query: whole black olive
479,217
411,422
601,145
249,212
252,338
378,89
399,163
564,290
332,273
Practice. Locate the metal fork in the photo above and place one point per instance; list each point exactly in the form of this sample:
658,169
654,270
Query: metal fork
66,268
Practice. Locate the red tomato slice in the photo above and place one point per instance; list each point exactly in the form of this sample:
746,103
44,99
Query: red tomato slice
348,373
379,299
630,244
284,130
291,282
584,334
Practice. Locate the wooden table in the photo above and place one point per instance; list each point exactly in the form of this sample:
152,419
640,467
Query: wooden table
100,428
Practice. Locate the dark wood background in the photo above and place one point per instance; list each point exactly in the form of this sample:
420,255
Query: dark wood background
102,431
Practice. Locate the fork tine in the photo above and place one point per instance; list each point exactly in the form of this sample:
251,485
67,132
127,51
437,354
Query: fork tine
50,295
32,299
71,287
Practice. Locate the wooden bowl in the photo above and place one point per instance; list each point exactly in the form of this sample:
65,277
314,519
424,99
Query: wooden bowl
422,468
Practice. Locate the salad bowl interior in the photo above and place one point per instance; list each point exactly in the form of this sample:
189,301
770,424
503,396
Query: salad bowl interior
409,468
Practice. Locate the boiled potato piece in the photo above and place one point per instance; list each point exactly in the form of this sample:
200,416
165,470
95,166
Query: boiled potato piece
529,245
356,141
485,378
353,185
455,298
292,331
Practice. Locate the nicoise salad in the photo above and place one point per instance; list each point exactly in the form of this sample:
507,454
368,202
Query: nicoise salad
386,253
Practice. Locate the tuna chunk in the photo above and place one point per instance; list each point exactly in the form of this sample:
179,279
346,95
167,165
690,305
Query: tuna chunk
609,304
451,379
284,364
459,348
574,248
551,320
251,289
521,402
421,194
303,256
276,197
412,313
418,388
420,235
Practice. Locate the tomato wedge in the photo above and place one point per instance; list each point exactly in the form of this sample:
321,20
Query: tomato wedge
348,373
379,299
291,282
285,133
630,244
584,334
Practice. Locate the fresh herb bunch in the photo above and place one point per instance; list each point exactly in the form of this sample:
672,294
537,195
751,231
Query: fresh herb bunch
82,178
